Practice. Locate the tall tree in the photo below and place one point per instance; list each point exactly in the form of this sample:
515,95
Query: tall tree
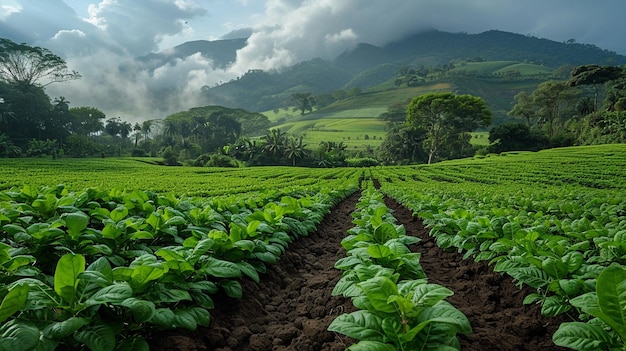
446,115
524,107
553,99
595,75
26,66
304,102
86,121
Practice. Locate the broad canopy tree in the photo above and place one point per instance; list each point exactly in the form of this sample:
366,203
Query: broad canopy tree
304,102
27,111
26,66
444,116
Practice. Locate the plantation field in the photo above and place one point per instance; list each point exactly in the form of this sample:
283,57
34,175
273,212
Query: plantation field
126,250
348,120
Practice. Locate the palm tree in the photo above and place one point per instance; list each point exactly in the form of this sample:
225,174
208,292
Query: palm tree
7,148
125,129
274,142
295,149
137,130
146,128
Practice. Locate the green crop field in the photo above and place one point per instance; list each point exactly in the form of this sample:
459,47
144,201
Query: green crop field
353,121
90,245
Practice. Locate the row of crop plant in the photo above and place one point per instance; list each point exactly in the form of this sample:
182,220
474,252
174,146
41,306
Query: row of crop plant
397,308
567,242
101,270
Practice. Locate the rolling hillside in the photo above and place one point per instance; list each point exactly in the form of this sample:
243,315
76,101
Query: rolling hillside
494,65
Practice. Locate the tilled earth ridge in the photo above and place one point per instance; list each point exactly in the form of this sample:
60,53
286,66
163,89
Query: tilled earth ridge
490,300
291,307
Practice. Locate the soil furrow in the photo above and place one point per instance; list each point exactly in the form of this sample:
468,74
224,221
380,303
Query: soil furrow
290,309
490,300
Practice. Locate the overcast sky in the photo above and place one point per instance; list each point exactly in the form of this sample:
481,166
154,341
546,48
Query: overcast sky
94,37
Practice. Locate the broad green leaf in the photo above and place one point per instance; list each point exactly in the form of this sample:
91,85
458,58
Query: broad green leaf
252,227
111,231
611,291
444,312
221,269
201,315
427,295
379,251
582,337
14,300
141,234
99,337
348,262
119,213
571,287
76,222
510,229
533,276
185,319
245,245
175,221
141,276
573,260
175,261
141,310
554,267
66,275
366,345
266,257
163,295
232,288
249,270
378,290
18,336
554,305
360,325
114,294
65,328
164,317
384,232
13,229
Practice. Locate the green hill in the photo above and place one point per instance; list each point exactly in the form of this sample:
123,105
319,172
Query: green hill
493,65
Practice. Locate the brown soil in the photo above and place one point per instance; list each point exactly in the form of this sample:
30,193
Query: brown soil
292,306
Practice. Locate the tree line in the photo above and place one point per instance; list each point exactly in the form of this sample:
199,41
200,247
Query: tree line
589,107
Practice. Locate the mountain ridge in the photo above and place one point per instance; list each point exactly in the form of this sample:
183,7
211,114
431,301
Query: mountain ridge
367,65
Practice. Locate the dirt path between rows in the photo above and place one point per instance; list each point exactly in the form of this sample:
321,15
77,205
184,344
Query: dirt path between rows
291,308
491,301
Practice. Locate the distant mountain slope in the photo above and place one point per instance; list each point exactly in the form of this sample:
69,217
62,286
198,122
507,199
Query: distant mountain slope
367,66
441,47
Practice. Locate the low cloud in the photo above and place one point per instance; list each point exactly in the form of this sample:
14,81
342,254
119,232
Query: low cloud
103,46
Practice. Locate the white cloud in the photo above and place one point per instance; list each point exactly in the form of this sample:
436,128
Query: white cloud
9,8
346,35
284,32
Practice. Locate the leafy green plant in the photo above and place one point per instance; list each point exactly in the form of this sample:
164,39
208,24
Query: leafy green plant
607,307
409,316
